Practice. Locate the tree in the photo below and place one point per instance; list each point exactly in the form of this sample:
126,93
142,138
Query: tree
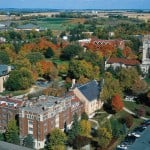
84,116
19,80
85,128
139,86
12,132
1,137
127,77
29,141
129,121
117,103
104,137
57,140
110,88
49,53
4,58
34,57
141,111
71,51
75,129
78,68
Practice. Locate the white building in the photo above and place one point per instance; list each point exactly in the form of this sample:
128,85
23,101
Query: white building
146,54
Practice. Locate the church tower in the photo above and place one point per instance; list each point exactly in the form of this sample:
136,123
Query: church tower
146,54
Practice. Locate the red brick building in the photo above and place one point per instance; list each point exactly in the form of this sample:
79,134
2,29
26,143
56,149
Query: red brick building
9,109
45,113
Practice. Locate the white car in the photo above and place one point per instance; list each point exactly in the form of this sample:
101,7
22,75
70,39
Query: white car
134,134
122,146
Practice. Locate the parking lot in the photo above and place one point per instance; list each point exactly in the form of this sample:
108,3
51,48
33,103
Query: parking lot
138,139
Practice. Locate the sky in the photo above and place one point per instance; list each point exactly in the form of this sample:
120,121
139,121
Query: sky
76,4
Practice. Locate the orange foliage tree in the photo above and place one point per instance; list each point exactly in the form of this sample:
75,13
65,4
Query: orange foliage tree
117,103
48,69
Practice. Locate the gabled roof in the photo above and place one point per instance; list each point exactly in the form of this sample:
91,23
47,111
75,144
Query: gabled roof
130,62
90,90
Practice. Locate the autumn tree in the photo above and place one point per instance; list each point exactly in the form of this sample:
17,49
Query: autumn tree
129,121
139,86
117,103
48,69
110,88
78,68
57,140
104,137
12,132
85,128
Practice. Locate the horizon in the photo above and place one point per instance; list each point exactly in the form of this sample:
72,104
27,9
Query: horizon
78,4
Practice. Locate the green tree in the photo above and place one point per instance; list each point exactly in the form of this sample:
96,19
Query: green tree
127,77
4,58
1,137
35,57
49,53
19,80
29,141
57,140
12,132
71,51
84,116
75,129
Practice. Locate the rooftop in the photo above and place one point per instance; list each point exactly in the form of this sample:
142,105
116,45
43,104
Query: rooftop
3,70
90,90
9,146
41,104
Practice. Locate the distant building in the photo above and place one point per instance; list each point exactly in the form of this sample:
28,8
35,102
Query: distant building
117,43
89,94
146,54
4,74
2,40
9,109
83,42
121,62
28,27
45,113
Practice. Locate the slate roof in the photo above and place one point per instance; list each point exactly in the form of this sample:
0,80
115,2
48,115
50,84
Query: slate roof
3,70
130,62
9,146
90,90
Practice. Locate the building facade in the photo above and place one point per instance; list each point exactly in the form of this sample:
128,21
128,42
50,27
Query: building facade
45,113
89,94
146,54
9,109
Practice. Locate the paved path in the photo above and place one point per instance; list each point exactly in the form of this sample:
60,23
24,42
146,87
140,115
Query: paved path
132,113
